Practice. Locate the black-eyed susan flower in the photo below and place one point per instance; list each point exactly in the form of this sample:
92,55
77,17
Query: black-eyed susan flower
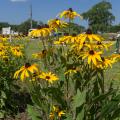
70,14
40,55
42,31
56,23
51,116
25,71
92,56
68,39
17,52
101,45
2,52
50,77
90,36
35,76
115,57
72,70
3,39
56,113
106,62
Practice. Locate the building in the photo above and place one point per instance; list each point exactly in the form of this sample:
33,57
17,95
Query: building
8,31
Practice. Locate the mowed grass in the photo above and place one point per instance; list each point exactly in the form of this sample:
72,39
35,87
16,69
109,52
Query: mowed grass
32,47
111,74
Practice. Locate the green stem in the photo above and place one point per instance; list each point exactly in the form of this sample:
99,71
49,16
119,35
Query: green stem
43,43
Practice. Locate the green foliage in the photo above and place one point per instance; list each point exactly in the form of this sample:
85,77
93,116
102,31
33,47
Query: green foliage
99,16
25,26
34,115
3,24
74,28
114,28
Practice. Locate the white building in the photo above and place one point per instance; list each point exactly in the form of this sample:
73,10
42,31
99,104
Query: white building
8,31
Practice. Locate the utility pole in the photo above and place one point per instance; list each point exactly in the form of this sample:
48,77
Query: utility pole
31,16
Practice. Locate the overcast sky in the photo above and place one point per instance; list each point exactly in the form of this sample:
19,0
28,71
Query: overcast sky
16,11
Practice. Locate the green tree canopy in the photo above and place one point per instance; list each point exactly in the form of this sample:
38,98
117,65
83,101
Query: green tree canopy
114,28
74,28
99,17
3,24
25,26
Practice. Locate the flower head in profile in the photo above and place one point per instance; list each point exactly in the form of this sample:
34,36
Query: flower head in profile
72,70
68,39
90,36
25,71
40,54
56,113
106,62
42,31
56,23
50,77
101,45
70,14
115,57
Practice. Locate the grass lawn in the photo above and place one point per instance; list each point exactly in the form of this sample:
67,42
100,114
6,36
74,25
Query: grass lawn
114,72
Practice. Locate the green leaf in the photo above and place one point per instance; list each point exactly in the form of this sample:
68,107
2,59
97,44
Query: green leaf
2,113
111,107
80,115
3,95
68,117
79,99
34,115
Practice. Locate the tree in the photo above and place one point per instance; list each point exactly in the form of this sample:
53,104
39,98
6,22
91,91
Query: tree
99,17
3,24
14,27
25,26
74,28
115,28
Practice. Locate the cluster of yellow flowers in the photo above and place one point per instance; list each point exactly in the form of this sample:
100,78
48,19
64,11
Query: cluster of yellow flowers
3,38
90,46
32,72
6,50
54,24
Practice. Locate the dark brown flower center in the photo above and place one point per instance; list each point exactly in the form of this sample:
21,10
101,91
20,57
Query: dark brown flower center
99,43
5,59
91,52
17,50
46,26
47,77
44,51
74,35
39,27
56,19
34,74
27,65
103,59
66,34
70,9
84,43
73,68
88,31
81,49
